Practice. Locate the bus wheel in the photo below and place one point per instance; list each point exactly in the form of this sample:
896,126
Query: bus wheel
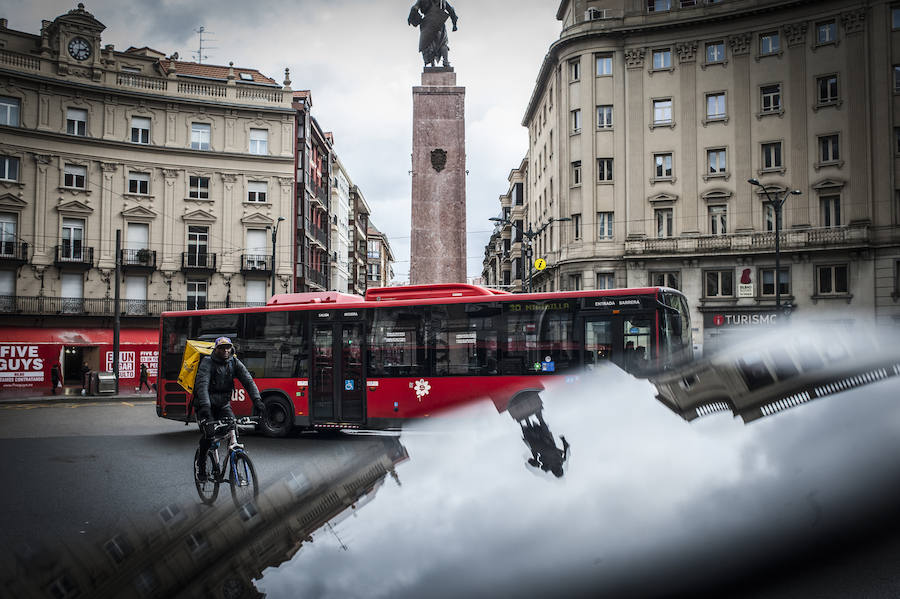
278,419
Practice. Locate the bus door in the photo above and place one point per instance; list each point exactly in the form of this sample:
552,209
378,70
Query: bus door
602,339
337,386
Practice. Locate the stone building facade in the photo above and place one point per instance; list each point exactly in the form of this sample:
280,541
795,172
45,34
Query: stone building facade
359,226
340,226
379,259
193,163
649,117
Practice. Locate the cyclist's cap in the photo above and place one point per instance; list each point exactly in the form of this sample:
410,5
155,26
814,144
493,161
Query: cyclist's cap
223,341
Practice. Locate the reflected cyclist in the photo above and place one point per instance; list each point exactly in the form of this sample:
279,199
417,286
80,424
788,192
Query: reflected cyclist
213,388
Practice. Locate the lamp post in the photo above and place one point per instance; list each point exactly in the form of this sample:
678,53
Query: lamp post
274,240
528,235
777,203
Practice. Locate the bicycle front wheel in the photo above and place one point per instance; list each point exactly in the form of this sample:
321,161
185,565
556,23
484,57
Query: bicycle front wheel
207,489
244,484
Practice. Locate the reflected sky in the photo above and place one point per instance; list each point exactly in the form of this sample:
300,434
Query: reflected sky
649,502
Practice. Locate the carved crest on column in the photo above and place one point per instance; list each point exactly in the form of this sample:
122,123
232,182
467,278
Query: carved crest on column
634,58
169,173
109,167
795,33
43,158
285,181
438,159
229,177
740,43
854,21
687,51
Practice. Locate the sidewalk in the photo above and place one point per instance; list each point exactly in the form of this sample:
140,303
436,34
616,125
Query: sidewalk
47,398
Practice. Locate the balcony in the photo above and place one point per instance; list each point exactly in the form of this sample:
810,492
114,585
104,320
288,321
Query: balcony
142,260
197,262
739,243
256,264
13,253
317,278
73,257
19,304
317,233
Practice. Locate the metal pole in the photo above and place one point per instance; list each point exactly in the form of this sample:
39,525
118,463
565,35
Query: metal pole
116,299
777,205
522,260
274,238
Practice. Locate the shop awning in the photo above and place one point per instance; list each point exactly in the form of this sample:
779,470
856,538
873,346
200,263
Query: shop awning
78,336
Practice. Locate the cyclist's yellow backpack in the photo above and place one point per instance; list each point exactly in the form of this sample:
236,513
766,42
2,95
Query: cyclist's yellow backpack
193,353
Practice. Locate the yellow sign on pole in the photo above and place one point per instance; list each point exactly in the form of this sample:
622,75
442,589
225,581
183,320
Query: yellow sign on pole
540,264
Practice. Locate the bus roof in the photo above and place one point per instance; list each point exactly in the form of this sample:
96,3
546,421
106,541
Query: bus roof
451,293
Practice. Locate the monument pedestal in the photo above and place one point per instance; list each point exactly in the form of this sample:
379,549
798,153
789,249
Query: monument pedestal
438,240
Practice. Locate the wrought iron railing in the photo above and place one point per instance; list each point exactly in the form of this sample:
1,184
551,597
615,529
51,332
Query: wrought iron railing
256,263
74,254
198,261
13,251
142,257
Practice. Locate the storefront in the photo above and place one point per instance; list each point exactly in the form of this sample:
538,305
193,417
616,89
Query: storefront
27,355
723,327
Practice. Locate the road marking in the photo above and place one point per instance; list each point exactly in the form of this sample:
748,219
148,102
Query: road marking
72,405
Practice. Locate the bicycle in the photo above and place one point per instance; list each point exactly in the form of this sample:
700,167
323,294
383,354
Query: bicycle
243,481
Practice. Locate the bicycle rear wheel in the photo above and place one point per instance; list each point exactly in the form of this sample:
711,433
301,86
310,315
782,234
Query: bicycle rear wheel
244,484
207,489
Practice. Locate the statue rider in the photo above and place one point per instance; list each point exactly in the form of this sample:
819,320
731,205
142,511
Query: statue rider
429,16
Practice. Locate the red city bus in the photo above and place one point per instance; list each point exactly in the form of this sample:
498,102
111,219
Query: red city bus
333,360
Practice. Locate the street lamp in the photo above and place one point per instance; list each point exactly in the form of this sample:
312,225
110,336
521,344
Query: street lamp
528,235
274,239
777,204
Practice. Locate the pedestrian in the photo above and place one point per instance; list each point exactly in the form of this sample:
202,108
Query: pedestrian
85,378
145,376
55,378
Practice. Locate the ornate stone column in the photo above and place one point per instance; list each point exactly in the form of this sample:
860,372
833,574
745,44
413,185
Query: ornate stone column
798,209
857,209
107,224
170,251
44,235
635,188
746,202
690,196
230,207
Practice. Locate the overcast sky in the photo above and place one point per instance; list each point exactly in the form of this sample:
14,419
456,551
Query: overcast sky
359,59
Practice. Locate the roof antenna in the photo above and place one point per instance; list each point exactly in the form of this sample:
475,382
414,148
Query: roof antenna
199,54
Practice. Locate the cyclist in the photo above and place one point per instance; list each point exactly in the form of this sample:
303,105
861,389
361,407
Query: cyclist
213,388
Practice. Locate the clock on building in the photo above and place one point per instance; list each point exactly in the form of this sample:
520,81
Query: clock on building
80,48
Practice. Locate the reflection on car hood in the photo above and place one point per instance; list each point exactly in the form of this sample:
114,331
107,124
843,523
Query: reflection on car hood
593,488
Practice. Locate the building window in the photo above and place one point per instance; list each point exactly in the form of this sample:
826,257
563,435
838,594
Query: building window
196,294
576,172
832,280
770,98
828,89
75,176
256,191
259,141
897,140
62,588
895,17
769,216
72,239
576,225
139,183
662,111
659,5
200,135
576,120
665,279
662,59
118,548
604,65
826,33
830,210
718,220
140,130
198,246
374,248
715,160
575,70
604,117
829,150
575,282
604,169
9,168
76,121
719,283
715,106
604,225
199,188
663,222
769,43
663,163
9,111
606,280
771,155
715,52
7,235
767,275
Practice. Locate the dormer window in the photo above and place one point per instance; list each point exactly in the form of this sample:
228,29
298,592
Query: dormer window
246,77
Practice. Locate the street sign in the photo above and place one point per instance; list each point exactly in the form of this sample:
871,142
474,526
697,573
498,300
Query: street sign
540,264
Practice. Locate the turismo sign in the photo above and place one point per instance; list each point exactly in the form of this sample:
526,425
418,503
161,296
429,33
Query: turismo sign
739,319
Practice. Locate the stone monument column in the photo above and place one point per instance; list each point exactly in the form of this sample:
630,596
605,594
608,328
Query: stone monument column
438,240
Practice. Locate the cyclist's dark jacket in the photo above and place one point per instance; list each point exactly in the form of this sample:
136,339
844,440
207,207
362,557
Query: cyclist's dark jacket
215,382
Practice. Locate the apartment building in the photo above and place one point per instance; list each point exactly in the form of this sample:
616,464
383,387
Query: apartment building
379,258
359,226
340,226
649,117
192,164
